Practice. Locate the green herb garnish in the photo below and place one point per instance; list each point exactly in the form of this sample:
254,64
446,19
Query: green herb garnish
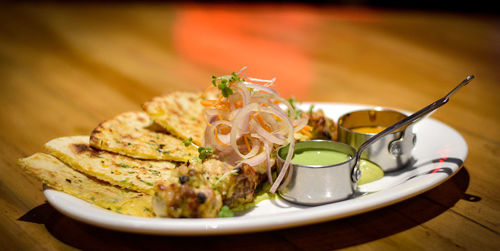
196,159
205,152
223,83
292,102
225,211
214,186
214,80
124,165
147,183
154,172
226,90
235,77
188,142
311,109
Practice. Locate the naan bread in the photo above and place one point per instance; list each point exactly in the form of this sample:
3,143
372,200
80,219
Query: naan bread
119,170
59,176
131,134
180,113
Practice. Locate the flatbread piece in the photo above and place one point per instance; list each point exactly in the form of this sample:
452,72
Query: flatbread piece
119,170
59,176
131,134
180,113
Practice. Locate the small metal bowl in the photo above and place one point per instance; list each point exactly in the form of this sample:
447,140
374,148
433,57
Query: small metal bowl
315,185
393,151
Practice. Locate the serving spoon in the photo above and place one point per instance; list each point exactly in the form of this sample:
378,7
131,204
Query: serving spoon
424,112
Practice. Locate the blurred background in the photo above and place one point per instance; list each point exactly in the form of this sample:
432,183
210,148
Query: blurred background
95,52
152,47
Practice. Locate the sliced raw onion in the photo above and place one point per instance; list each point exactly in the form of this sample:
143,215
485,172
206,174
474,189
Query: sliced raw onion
260,88
266,135
258,126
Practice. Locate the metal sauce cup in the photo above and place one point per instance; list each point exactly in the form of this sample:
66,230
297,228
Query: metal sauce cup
391,152
314,185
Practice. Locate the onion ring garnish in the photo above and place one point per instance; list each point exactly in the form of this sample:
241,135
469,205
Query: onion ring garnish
258,120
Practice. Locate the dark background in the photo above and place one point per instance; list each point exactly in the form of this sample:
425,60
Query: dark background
478,6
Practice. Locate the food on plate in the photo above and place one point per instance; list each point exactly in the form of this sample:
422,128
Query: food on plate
180,113
119,170
133,134
322,126
318,157
368,129
219,181
192,196
182,200
187,155
248,122
59,176
369,172
203,188
236,184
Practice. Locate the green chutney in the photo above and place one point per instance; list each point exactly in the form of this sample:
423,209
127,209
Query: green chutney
318,157
369,172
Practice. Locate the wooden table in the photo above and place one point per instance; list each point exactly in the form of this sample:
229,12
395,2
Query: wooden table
65,68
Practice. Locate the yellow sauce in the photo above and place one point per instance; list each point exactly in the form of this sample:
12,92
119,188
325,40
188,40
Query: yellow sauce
368,129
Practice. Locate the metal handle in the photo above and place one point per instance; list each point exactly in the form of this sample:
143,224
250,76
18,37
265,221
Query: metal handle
410,119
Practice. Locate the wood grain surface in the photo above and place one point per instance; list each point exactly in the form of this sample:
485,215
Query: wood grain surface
65,68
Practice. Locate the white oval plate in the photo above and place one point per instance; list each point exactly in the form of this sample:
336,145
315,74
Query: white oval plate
439,153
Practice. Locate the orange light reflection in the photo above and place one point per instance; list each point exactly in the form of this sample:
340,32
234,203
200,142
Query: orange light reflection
272,40
271,44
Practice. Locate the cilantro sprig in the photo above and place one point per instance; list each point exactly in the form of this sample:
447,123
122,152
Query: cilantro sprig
225,211
223,83
235,77
188,142
293,102
205,152
225,90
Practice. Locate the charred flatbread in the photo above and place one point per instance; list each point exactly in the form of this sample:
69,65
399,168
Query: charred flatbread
133,134
180,113
59,176
119,170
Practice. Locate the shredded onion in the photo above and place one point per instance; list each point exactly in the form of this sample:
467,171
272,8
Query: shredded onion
259,120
